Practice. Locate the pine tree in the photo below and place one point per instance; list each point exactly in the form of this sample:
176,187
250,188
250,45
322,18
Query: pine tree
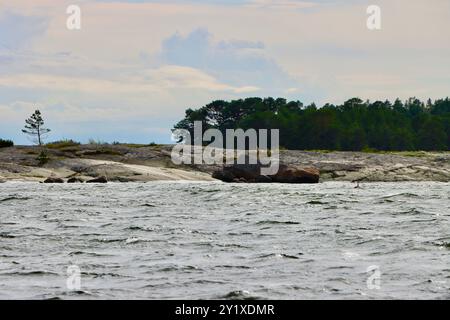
34,127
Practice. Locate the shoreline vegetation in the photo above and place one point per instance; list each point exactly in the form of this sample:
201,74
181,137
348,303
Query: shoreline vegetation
349,134
117,162
355,125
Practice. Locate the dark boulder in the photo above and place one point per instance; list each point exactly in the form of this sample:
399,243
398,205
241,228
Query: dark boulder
293,174
223,175
239,180
101,179
232,173
264,179
122,179
252,174
53,180
75,180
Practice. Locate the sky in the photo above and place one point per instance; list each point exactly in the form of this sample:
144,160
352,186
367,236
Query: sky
135,66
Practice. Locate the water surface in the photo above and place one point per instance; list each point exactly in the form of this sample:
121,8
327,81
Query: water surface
165,240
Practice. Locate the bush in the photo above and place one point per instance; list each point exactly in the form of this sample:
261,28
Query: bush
62,144
6,143
43,158
97,142
102,151
367,149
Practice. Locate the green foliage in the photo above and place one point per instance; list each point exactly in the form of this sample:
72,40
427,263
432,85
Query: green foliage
432,135
62,144
369,150
43,158
102,150
355,125
6,143
134,145
415,154
98,142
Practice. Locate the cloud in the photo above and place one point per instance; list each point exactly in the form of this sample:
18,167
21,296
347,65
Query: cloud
238,62
282,4
173,76
255,3
145,82
17,30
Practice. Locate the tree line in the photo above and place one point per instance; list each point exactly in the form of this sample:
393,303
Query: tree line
354,125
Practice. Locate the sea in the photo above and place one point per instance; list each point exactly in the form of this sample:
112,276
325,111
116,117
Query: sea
211,240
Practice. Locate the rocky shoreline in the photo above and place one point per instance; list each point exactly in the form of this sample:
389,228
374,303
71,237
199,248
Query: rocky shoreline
135,163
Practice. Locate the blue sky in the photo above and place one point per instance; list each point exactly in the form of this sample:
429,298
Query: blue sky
135,66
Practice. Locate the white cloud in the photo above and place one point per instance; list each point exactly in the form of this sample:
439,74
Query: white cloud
282,4
238,62
146,82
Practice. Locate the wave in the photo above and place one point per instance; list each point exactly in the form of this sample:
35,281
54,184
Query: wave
316,202
30,273
6,235
14,198
279,255
240,295
91,254
226,266
276,222
149,205
403,194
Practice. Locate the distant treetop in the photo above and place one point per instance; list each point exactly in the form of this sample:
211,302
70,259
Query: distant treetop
352,126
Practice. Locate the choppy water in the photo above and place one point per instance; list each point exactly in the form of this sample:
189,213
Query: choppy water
211,240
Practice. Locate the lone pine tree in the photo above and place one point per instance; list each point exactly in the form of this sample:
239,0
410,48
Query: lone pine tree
34,127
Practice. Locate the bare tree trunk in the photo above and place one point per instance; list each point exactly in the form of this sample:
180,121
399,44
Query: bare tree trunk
39,135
